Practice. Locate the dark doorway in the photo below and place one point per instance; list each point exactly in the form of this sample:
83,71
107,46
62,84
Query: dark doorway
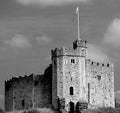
71,107
23,104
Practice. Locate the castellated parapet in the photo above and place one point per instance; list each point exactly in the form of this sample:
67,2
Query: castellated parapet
79,47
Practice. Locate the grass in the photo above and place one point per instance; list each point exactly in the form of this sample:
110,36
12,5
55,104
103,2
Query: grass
44,110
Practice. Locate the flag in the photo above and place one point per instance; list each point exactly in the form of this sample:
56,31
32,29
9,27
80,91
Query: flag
76,13
77,10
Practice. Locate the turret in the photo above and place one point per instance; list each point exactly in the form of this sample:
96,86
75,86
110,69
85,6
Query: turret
79,43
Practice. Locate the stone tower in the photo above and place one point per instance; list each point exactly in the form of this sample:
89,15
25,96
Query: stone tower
69,76
79,83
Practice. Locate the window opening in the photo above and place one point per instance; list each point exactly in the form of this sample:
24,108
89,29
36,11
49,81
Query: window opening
89,92
55,62
108,65
23,104
98,77
71,90
73,61
35,83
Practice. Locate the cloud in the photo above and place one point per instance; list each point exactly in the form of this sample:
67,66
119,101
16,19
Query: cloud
117,94
43,39
97,54
18,41
1,97
112,35
49,2
1,101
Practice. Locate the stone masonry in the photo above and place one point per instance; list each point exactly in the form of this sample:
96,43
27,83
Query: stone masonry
79,82
33,91
70,84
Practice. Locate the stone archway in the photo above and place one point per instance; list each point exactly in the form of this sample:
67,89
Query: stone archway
72,108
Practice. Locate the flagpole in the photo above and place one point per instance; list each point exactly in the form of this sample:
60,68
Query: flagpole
78,24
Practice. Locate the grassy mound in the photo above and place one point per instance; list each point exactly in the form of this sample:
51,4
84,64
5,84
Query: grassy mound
103,110
44,110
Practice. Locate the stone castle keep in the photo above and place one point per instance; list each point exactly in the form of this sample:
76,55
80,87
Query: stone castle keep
72,82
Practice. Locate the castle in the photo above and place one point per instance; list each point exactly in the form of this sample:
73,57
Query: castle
71,83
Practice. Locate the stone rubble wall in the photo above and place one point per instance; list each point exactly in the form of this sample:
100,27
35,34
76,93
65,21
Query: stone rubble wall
100,78
33,91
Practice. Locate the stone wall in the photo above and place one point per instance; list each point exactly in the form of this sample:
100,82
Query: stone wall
22,93
8,96
100,80
43,89
33,91
18,93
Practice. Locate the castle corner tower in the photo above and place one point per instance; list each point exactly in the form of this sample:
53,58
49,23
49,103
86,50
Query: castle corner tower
69,74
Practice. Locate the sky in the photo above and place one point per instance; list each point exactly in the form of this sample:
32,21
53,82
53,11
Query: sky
29,29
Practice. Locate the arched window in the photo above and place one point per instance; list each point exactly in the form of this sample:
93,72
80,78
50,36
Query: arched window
23,104
71,90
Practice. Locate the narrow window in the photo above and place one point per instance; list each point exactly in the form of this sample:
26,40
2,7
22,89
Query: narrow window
23,104
98,77
71,90
89,92
35,83
54,62
108,65
73,61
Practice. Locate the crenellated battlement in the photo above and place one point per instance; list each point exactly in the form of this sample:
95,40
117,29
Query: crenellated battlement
98,64
57,52
79,43
68,52
17,78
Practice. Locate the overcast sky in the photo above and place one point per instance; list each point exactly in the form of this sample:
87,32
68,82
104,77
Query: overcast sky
29,29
